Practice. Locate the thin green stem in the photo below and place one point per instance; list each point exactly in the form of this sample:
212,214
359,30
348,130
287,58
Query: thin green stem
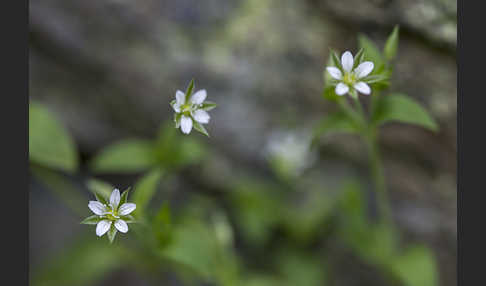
378,177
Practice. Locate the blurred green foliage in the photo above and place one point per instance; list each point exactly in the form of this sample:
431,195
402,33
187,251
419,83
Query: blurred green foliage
257,231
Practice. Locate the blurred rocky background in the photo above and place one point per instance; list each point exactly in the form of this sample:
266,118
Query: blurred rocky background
108,70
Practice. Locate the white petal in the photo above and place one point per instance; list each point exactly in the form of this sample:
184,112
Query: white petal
364,69
362,87
186,124
97,207
347,61
180,97
341,88
201,116
126,208
121,225
335,72
102,227
177,107
199,96
115,198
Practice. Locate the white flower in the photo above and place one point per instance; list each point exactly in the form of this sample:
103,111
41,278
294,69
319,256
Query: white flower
111,216
191,110
349,78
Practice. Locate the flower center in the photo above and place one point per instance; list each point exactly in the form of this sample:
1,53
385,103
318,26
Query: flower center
112,214
349,78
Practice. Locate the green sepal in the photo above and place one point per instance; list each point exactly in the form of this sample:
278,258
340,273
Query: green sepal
94,219
189,90
111,233
329,93
208,105
101,199
124,196
128,219
177,119
335,60
199,127
358,58
375,78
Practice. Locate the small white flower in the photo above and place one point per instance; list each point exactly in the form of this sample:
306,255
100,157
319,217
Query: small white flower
349,78
192,110
110,216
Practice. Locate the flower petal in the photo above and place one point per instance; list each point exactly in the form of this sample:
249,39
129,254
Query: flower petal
102,227
362,87
126,208
364,69
177,107
180,97
199,96
115,198
347,61
341,88
121,225
186,124
97,207
335,73
201,116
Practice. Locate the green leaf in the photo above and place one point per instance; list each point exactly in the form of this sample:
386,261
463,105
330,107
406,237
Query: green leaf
371,51
329,93
102,190
358,58
335,60
50,144
161,225
112,233
336,122
398,107
127,156
129,219
124,196
208,105
375,78
199,127
62,188
145,189
94,219
189,90
86,261
391,45
416,267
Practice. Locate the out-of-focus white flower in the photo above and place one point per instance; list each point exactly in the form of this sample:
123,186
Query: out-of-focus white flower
349,79
112,215
290,151
191,110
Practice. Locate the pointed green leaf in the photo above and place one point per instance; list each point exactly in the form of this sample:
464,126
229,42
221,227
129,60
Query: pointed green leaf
375,78
124,196
336,122
391,45
145,189
416,267
102,190
161,225
129,219
127,156
208,105
199,127
189,90
371,51
358,58
398,107
335,60
111,233
50,144
94,219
